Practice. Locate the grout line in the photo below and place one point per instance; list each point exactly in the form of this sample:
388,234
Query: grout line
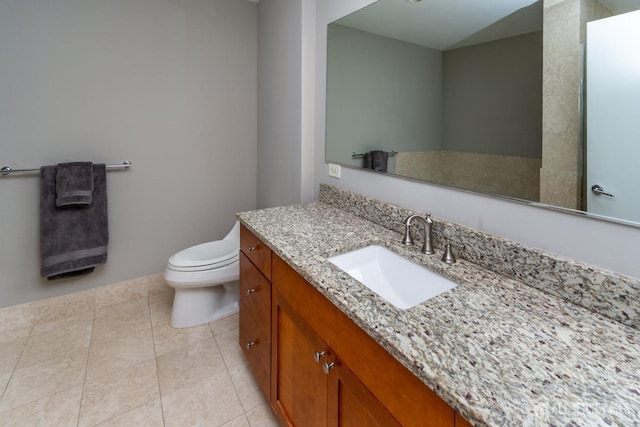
86,366
15,366
155,359
130,410
228,369
94,339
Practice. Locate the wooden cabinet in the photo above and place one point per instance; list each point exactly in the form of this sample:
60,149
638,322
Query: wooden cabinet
366,382
298,387
255,307
312,387
255,294
461,422
352,403
256,251
316,366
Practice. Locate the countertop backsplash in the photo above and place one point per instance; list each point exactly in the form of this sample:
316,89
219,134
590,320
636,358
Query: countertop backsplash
602,291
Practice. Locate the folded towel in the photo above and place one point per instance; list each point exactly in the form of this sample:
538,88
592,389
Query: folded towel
73,240
74,184
376,160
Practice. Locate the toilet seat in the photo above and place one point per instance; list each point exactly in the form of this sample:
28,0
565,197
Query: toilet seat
207,256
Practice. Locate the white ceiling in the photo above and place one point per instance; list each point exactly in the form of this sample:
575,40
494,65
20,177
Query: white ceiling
441,23
447,24
620,6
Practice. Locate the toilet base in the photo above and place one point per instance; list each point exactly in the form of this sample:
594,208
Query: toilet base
197,306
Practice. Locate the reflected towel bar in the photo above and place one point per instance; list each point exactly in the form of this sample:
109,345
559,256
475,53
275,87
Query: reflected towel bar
361,156
6,170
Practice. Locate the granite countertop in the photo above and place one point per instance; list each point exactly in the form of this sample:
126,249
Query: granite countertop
500,352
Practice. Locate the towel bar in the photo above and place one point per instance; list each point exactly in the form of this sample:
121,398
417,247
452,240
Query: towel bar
7,170
361,156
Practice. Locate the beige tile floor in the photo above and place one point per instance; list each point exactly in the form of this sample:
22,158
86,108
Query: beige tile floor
123,365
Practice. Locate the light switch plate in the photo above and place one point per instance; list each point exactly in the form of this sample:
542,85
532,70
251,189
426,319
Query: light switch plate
334,170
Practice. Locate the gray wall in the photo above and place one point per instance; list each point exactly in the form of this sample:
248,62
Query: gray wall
600,243
386,94
169,85
285,118
495,89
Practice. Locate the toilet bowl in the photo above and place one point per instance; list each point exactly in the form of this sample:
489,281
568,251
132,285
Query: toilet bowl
205,279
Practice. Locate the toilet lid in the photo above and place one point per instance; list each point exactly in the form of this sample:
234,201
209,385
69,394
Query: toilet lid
211,255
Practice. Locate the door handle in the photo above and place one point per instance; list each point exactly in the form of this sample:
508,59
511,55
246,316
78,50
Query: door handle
599,191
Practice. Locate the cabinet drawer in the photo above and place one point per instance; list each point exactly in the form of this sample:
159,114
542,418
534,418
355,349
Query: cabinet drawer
256,251
255,293
256,348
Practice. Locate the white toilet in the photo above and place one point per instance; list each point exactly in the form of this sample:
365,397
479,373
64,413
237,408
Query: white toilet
205,278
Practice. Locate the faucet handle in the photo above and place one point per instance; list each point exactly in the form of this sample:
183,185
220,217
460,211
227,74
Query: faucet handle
448,256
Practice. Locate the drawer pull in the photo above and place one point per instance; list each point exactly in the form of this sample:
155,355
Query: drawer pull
250,344
251,248
250,291
327,366
317,355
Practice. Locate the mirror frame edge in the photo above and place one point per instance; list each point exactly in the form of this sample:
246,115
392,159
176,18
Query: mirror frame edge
531,203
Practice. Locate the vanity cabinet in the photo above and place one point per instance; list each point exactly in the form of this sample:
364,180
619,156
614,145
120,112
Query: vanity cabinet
313,363
255,307
364,385
312,386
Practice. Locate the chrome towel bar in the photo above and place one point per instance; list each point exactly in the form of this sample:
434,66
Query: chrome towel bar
354,155
7,170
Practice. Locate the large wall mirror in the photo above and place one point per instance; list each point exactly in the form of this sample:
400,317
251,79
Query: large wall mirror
532,100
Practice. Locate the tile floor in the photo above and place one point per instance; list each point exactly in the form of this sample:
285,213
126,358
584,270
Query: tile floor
123,365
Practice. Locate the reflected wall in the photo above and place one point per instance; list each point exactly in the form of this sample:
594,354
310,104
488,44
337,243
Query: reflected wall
468,117
561,176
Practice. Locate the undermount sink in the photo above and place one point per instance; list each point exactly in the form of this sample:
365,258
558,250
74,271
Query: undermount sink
398,280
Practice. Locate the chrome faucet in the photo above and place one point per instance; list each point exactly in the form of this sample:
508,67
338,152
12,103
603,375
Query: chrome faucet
427,247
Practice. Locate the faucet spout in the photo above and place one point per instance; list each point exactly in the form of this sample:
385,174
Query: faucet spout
427,247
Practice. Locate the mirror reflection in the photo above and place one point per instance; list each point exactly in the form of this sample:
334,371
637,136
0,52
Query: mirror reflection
475,95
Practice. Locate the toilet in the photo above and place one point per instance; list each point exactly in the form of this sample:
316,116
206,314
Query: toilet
205,279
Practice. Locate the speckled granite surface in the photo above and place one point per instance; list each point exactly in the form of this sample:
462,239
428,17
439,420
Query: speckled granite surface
500,352
602,291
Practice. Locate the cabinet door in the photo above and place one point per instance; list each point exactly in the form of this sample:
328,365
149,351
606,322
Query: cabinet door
351,404
299,385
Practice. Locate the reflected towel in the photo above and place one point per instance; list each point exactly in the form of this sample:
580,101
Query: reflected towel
376,160
74,184
73,239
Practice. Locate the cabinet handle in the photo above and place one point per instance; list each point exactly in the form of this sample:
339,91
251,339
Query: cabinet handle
317,355
251,248
250,291
250,344
327,366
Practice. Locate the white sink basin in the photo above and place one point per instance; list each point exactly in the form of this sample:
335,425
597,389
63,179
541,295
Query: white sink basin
396,279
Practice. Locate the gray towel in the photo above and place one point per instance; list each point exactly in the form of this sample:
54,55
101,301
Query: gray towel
376,160
73,239
74,184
